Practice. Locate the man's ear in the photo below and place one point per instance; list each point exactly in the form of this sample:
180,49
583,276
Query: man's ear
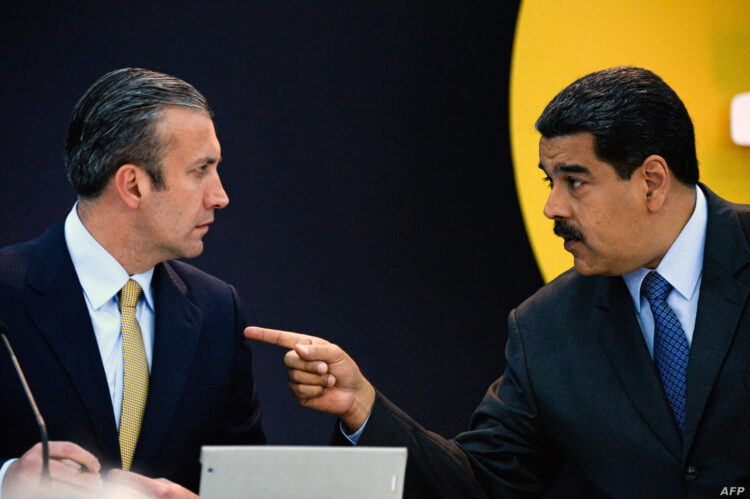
128,183
658,178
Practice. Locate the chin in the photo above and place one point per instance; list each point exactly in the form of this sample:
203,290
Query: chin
584,268
193,251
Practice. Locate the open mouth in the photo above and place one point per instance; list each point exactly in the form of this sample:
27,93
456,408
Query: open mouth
570,243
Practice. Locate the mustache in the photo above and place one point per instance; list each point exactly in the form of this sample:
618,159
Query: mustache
566,230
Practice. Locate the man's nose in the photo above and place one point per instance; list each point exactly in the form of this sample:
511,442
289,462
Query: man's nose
556,206
216,196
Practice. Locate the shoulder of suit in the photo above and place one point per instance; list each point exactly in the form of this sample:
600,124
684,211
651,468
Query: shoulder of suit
15,260
568,293
19,250
719,205
743,213
714,199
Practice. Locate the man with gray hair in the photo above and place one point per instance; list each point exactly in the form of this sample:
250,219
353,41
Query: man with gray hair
136,360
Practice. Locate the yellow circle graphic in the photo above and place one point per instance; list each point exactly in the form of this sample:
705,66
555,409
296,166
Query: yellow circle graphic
701,49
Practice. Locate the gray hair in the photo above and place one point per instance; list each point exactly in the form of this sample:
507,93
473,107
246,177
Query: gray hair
115,123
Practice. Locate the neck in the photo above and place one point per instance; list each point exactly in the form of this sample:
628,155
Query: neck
671,219
112,227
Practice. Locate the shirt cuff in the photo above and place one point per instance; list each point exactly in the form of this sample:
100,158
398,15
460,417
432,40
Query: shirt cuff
4,470
353,438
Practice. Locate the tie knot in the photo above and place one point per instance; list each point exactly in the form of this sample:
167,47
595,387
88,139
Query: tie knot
130,294
655,287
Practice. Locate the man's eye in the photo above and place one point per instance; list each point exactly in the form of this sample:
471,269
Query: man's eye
575,183
201,170
548,181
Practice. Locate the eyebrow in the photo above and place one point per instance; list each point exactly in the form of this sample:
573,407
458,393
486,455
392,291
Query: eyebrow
568,169
208,160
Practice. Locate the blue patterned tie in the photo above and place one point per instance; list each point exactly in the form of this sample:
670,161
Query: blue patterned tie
671,348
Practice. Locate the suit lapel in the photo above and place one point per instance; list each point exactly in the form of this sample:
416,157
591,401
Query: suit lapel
57,307
720,306
176,332
623,343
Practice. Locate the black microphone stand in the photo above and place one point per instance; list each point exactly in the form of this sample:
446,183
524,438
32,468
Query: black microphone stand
32,402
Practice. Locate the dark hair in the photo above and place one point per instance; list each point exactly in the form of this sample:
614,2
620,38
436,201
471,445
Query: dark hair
632,114
115,123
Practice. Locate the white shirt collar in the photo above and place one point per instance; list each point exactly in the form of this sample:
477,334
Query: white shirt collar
100,274
683,264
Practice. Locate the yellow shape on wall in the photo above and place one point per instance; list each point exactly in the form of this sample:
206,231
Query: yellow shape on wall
701,49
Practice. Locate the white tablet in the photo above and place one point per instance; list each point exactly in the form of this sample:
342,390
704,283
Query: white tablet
302,472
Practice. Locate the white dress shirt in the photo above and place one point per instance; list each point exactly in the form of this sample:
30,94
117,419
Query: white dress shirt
102,277
682,267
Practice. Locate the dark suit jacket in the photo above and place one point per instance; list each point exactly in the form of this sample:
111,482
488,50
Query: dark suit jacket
580,385
201,390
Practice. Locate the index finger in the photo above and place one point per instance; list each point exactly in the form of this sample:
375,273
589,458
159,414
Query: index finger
285,339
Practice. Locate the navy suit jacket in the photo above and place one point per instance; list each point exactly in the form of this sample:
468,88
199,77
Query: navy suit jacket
201,390
580,385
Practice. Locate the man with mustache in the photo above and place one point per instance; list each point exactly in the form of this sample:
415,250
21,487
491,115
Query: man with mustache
135,360
634,365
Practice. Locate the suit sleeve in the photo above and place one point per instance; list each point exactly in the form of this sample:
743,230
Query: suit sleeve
504,453
241,424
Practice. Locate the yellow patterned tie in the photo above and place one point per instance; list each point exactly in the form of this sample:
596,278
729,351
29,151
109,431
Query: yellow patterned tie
135,379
